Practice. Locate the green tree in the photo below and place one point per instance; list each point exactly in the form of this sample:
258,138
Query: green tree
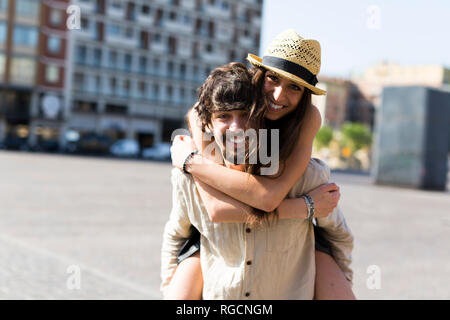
324,136
356,136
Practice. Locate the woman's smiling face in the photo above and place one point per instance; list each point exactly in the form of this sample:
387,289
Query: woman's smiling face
283,94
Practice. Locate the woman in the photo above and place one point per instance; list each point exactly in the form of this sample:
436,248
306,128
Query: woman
287,74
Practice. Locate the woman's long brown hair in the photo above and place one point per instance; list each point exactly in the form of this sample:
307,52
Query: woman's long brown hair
289,128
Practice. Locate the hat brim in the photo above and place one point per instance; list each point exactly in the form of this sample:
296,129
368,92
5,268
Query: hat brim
257,61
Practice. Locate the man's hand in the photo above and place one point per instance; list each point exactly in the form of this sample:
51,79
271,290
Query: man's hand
326,198
180,149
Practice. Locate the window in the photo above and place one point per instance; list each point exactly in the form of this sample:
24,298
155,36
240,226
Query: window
155,91
145,10
56,17
128,62
3,5
182,93
129,33
169,92
142,89
126,87
78,82
112,61
98,84
170,69
53,44
25,36
182,70
80,54
116,5
156,65
142,64
114,30
113,85
3,32
2,65
51,73
84,24
97,57
23,70
27,8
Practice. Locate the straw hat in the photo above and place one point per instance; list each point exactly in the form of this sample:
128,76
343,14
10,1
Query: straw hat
294,58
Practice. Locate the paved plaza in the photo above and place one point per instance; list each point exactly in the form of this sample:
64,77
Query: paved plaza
75,227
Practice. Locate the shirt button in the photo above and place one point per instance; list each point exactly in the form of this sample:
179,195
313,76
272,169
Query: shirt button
248,230
247,294
249,262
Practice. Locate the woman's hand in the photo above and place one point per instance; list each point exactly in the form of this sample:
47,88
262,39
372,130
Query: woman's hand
325,199
180,149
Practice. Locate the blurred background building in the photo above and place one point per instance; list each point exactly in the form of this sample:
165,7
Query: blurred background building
344,102
373,79
130,71
33,63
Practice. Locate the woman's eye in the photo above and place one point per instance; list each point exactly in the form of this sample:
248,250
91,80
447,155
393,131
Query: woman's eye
296,88
272,77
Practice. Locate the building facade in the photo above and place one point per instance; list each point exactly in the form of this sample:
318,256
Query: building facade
374,78
136,65
125,69
343,103
32,69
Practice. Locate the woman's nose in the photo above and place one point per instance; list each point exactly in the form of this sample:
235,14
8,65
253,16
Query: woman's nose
278,94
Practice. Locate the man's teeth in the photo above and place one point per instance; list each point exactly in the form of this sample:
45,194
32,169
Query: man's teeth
276,107
237,140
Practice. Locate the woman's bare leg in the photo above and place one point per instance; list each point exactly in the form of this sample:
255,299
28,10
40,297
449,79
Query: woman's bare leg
331,283
187,281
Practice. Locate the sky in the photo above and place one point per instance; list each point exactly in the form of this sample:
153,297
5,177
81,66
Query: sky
355,34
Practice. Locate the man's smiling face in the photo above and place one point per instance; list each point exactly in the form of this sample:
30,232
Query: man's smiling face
228,130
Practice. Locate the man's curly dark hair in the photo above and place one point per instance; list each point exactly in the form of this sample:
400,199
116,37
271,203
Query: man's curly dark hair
228,87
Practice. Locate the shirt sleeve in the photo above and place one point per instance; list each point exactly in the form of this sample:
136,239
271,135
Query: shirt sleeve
336,231
334,227
176,230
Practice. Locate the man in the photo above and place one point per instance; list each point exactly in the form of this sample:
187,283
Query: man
239,260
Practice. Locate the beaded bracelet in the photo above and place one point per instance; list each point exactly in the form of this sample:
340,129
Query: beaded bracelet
189,156
310,204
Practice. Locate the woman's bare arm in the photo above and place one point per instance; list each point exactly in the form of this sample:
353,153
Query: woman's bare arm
223,208
259,191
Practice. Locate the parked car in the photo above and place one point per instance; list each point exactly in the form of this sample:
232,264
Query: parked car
160,151
125,148
93,143
12,142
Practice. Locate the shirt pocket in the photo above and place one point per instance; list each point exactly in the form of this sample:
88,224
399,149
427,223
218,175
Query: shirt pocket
284,235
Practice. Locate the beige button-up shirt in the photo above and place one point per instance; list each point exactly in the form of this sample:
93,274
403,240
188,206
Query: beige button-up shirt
239,261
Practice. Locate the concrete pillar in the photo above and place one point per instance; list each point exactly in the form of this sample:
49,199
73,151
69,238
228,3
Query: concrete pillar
412,138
